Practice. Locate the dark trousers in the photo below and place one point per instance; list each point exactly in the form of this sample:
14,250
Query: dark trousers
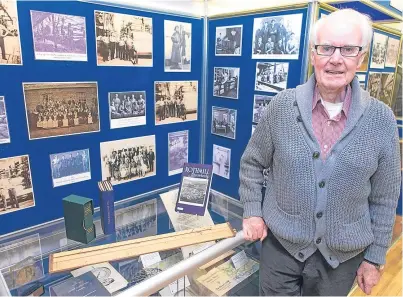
283,275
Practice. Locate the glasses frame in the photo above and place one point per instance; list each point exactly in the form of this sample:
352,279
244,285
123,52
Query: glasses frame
337,47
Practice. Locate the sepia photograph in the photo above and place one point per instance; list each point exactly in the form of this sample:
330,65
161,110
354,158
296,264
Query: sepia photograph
178,46
59,37
178,151
70,167
277,37
61,108
226,82
10,44
271,77
374,84
221,161
386,93
379,44
123,39
193,190
4,131
223,122
16,191
260,103
175,101
228,40
392,52
128,159
364,64
127,109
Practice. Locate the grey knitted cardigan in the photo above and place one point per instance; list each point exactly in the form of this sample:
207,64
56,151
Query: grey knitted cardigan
343,206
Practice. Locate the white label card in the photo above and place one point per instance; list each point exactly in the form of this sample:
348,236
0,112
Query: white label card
179,285
239,260
150,259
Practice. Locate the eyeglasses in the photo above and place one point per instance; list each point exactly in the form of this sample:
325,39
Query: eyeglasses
345,51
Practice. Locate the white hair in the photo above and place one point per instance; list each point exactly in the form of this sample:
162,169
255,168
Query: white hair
346,15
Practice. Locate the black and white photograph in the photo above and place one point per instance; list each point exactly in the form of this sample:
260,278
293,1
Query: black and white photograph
70,167
260,103
127,109
374,84
392,52
379,45
175,101
16,190
61,108
223,122
361,77
386,93
128,159
271,77
193,190
130,269
178,151
178,46
59,37
221,161
228,40
226,82
123,39
4,131
277,37
10,44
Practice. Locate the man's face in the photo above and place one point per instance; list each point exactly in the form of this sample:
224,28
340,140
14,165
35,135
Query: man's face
335,72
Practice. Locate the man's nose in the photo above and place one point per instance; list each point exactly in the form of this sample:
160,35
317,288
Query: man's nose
337,57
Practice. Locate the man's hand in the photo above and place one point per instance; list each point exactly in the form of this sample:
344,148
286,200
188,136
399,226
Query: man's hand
368,276
254,228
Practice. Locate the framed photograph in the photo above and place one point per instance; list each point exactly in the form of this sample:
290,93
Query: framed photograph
361,77
228,40
128,159
277,37
123,39
4,131
271,77
10,44
226,82
392,52
178,151
260,102
175,101
127,109
379,44
374,84
223,122
364,64
386,93
178,46
59,36
221,161
16,190
61,108
70,167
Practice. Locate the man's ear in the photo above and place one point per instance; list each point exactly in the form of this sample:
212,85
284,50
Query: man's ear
312,56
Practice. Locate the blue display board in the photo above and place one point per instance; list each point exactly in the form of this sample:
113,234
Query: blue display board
375,14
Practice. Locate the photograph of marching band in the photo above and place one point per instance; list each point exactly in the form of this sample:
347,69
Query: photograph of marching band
128,159
221,161
70,167
61,108
178,151
387,83
178,46
127,109
277,37
10,44
16,191
123,40
224,122
193,190
392,52
4,131
226,82
260,103
228,40
271,77
175,101
379,44
59,36
374,84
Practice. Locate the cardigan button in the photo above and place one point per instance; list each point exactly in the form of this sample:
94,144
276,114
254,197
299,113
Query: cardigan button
299,118
322,184
295,103
316,155
301,255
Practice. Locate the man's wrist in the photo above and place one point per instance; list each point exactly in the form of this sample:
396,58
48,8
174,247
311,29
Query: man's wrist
378,266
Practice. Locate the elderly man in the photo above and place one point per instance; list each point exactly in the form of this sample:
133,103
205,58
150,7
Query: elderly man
334,174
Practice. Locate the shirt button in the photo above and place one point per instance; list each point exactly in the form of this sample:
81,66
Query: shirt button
322,184
299,118
319,215
325,146
319,240
295,103
316,155
301,255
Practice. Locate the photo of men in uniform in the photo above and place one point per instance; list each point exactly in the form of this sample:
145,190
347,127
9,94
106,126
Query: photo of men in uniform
59,36
123,40
175,101
178,151
60,109
259,105
178,46
4,131
226,82
392,52
387,83
379,44
10,44
128,159
223,122
271,77
374,84
127,109
221,161
16,191
228,41
277,37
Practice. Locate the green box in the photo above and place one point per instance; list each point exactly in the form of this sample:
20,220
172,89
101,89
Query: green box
78,218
